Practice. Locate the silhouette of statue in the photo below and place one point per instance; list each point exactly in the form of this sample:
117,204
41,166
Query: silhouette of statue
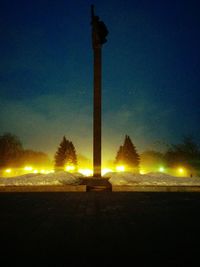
99,30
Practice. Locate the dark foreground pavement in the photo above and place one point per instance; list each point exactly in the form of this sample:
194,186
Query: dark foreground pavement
100,229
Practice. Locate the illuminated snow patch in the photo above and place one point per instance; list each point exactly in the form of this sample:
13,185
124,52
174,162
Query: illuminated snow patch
57,178
154,178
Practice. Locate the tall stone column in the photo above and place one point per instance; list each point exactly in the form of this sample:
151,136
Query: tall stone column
99,33
97,113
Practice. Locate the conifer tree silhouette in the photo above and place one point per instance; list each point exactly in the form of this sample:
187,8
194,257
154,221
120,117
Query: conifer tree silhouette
65,155
127,155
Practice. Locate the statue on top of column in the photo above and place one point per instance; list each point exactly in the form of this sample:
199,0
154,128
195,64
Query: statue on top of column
99,30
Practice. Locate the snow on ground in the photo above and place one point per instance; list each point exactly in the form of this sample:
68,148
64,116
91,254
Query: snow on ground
128,178
116,178
57,178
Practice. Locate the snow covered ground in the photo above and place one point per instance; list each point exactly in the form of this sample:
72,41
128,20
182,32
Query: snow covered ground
116,178
157,178
57,178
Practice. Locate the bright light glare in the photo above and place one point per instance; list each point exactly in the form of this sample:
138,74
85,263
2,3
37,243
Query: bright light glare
47,171
161,169
69,168
120,168
28,168
181,170
86,172
106,170
142,172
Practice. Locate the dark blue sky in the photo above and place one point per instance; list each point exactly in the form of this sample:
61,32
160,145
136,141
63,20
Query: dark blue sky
151,72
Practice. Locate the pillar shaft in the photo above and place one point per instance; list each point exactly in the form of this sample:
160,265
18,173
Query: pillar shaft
97,113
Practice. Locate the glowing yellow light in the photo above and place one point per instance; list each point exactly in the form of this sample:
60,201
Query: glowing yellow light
47,171
35,171
106,170
142,172
8,170
181,170
70,168
161,169
28,168
86,172
120,168
42,171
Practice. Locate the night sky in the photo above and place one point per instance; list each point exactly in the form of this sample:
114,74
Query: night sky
151,73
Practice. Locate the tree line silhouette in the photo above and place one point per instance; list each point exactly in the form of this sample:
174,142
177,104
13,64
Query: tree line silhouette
186,153
12,153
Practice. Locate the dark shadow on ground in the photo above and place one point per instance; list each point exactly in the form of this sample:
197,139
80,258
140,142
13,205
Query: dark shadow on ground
69,229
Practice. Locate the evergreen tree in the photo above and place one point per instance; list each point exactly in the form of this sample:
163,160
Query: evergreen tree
119,156
71,158
128,156
65,155
60,155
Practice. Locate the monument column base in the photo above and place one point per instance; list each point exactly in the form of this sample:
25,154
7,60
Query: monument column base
96,184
